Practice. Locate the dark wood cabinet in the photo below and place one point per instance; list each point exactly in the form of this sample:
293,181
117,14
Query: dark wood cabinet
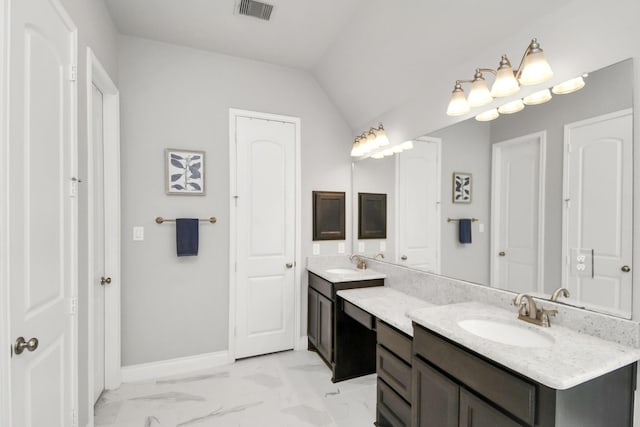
453,386
346,345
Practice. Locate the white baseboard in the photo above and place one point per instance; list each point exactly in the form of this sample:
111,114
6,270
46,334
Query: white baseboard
302,343
165,368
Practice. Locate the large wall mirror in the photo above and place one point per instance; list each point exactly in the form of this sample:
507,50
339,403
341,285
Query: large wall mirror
551,201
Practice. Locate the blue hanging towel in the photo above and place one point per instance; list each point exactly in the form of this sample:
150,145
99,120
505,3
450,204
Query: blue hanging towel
464,230
187,236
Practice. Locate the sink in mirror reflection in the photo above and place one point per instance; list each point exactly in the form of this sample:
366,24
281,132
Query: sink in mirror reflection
341,271
507,333
547,184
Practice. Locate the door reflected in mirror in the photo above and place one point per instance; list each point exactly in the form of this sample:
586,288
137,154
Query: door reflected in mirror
552,194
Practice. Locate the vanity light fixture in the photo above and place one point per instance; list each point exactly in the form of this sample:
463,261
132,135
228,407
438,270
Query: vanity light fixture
489,115
569,86
369,141
537,98
533,69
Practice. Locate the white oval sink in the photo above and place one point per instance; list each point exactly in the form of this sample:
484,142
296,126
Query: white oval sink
507,333
341,271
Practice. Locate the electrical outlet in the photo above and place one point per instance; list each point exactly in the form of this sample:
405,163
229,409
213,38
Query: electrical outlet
316,249
480,228
361,247
341,247
383,246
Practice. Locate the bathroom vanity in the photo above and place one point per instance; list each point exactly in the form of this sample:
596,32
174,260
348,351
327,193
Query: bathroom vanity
346,345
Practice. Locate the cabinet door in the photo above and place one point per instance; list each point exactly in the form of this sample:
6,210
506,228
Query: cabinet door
474,412
435,398
325,328
312,317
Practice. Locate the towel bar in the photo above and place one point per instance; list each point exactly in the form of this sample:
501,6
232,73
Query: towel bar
160,220
458,219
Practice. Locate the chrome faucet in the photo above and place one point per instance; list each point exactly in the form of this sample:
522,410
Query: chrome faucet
529,312
362,265
564,292
379,254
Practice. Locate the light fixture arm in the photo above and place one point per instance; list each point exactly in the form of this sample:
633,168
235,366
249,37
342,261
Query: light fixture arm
533,47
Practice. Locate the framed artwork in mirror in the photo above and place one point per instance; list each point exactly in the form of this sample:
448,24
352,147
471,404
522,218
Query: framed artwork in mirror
372,216
184,172
329,215
461,188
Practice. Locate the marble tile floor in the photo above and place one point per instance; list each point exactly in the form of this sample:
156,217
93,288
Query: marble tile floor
289,389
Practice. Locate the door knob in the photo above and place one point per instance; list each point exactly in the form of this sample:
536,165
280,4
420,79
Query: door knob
625,268
289,265
501,254
105,281
21,345
404,257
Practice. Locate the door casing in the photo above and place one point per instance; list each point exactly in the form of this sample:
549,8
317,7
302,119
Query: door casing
233,245
97,75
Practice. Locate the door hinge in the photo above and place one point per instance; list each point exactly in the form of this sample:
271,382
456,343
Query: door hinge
73,306
73,72
74,418
235,198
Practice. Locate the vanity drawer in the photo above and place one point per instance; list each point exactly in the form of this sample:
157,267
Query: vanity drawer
322,286
394,372
508,391
359,315
392,410
394,340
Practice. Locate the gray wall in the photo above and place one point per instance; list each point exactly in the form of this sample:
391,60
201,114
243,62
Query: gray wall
95,30
175,97
466,148
606,91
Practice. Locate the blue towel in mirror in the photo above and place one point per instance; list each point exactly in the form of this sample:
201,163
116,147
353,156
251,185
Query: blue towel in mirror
187,236
464,230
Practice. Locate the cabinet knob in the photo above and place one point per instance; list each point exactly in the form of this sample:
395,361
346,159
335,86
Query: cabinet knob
625,268
22,344
289,265
105,281
501,253
404,257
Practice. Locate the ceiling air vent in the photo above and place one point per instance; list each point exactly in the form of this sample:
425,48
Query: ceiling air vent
255,9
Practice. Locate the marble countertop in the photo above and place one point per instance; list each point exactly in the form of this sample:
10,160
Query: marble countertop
386,304
353,276
572,359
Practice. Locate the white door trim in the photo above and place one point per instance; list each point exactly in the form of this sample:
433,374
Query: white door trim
495,152
5,331
96,74
565,187
233,245
438,142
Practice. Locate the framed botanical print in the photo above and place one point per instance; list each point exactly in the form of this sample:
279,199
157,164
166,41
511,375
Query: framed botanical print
461,188
184,172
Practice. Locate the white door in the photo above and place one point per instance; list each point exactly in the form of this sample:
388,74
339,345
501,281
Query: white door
42,214
517,212
99,280
419,206
265,236
597,212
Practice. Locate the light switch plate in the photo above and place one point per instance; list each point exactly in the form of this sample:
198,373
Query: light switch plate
341,247
316,249
138,233
361,247
480,228
383,246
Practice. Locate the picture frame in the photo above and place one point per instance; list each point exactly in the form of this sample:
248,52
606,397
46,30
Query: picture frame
184,172
372,216
461,187
328,215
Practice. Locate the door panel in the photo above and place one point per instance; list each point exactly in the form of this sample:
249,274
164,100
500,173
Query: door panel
517,198
419,199
266,236
42,213
598,205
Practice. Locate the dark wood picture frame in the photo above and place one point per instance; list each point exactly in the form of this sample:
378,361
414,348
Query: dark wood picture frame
372,216
329,215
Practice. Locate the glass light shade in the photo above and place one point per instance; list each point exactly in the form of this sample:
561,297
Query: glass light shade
505,83
569,86
388,152
398,149
407,145
511,107
378,156
381,138
479,94
371,141
487,116
356,148
535,69
536,98
458,104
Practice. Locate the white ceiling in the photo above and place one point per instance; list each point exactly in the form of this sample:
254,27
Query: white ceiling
369,55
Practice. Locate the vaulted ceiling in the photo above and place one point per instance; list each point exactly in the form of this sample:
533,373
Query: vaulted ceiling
369,56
